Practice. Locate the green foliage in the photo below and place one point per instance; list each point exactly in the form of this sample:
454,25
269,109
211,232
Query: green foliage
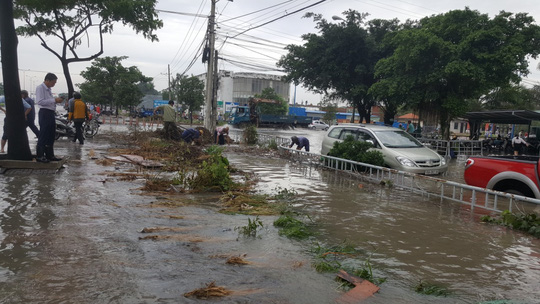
332,259
340,59
275,109
330,114
250,135
529,223
214,172
510,97
431,289
273,145
357,151
366,273
189,91
71,22
250,230
438,65
292,227
1,88
284,194
108,82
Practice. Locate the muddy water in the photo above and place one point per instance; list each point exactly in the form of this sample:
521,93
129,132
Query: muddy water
410,239
74,237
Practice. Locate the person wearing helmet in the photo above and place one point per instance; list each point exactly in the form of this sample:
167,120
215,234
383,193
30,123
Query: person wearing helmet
301,142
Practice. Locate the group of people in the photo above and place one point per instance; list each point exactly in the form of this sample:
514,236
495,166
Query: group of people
78,113
189,135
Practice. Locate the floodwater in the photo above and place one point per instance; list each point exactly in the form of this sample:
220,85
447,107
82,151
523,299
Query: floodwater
75,237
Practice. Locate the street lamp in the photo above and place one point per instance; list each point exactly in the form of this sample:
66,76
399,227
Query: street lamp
337,18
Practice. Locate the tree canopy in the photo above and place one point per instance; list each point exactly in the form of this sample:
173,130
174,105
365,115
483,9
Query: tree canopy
449,58
109,82
269,108
339,61
189,91
73,22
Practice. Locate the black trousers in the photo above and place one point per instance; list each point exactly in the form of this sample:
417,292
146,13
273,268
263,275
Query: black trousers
30,123
79,131
47,125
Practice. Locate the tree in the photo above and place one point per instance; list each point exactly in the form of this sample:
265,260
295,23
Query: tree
1,88
147,87
18,147
511,97
72,21
269,108
340,61
330,111
189,91
109,82
448,59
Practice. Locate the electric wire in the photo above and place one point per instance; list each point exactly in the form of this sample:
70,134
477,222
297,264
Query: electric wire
278,18
187,37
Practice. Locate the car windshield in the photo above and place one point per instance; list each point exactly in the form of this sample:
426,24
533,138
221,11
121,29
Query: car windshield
397,139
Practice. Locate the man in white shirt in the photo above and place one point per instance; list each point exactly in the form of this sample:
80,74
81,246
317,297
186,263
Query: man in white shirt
47,122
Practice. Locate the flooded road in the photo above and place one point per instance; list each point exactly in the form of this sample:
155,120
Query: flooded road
75,237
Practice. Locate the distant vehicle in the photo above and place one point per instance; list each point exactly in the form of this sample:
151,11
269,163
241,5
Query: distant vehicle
400,150
250,115
318,125
513,174
142,112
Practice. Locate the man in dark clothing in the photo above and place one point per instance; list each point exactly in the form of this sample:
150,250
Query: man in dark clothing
191,134
301,142
31,117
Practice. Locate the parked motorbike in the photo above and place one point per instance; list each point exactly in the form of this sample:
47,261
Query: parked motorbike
64,128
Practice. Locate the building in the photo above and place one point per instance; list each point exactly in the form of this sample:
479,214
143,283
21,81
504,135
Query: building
235,88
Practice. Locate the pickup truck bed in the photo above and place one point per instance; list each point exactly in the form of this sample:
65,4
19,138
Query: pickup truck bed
512,174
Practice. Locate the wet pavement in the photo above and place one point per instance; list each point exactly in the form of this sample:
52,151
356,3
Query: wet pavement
74,237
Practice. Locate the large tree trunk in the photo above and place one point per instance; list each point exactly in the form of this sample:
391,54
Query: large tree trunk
67,75
18,146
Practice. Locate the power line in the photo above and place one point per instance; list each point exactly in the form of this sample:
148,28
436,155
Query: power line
275,19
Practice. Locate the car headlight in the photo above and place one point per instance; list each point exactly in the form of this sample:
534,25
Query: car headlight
443,161
405,161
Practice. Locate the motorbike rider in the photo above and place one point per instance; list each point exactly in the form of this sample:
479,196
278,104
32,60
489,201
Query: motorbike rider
78,115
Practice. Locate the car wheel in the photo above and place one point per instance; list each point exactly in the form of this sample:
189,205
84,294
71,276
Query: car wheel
326,128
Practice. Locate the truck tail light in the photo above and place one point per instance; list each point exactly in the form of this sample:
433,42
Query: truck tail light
469,163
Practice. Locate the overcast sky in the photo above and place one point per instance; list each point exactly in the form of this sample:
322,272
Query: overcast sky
182,35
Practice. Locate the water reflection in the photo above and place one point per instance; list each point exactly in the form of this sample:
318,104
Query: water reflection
23,220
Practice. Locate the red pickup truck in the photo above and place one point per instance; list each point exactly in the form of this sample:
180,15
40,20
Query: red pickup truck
513,174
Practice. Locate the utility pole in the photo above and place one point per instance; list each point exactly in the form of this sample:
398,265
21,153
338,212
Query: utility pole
209,117
169,79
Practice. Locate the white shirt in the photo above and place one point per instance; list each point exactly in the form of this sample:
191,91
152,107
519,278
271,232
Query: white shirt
44,97
518,140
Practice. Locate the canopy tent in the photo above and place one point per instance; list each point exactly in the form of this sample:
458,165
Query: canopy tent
516,117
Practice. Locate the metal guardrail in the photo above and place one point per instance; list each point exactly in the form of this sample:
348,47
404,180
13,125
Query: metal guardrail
427,186
459,147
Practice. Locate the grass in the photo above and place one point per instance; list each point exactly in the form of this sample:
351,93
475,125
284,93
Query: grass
250,230
292,228
431,289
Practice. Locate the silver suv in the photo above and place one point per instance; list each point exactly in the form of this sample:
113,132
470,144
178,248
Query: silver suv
400,150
